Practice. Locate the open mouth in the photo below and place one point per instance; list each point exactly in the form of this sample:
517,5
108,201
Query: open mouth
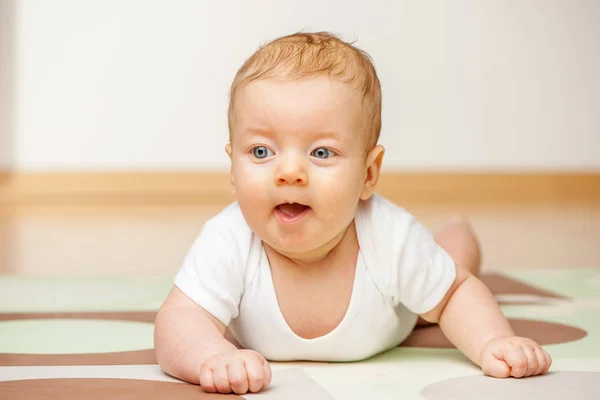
291,212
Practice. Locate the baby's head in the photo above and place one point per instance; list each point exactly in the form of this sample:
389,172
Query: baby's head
304,121
308,55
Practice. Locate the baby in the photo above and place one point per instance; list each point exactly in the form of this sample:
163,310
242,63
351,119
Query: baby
310,263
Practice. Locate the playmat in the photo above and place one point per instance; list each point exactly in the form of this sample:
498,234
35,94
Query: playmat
92,338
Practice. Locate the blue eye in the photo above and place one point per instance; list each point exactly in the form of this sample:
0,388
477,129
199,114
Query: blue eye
322,153
261,152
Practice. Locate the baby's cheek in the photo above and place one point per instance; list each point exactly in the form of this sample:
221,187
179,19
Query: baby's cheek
344,182
250,181
251,192
253,198
338,192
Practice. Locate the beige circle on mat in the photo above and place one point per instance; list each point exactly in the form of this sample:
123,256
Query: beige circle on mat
542,332
557,385
102,388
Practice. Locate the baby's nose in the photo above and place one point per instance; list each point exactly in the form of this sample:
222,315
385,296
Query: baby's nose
291,171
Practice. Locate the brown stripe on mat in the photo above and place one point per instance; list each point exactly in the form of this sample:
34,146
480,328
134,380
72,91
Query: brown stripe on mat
139,316
138,357
502,285
543,332
104,388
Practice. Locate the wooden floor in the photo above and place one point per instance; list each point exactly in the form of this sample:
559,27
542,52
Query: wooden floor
129,239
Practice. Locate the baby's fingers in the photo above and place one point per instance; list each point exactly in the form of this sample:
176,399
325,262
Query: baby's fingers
516,359
221,378
549,360
495,367
544,360
532,360
268,374
541,360
206,380
256,374
238,379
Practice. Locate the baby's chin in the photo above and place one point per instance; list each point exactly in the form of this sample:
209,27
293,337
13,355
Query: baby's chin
297,250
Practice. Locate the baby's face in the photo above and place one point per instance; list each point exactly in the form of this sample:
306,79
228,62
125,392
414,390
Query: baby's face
298,161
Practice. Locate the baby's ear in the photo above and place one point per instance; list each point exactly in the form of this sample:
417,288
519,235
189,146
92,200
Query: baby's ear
373,170
228,149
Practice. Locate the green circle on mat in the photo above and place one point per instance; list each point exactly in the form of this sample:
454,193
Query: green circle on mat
74,336
81,294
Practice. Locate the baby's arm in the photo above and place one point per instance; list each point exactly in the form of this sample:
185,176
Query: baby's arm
190,345
185,335
471,319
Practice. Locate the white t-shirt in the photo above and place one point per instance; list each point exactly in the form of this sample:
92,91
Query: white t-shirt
400,272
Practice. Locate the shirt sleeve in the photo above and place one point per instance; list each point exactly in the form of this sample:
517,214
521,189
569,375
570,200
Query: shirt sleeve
408,265
425,271
212,272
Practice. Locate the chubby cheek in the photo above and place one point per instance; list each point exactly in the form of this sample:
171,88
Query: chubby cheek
252,189
336,193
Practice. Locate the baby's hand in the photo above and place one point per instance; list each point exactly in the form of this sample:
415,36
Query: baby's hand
237,371
514,356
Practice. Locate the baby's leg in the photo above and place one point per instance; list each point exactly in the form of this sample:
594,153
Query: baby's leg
459,240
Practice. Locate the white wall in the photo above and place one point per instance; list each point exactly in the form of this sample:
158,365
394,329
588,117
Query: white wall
142,84
7,59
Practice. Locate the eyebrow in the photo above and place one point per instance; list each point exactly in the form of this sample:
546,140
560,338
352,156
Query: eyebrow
325,134
259,131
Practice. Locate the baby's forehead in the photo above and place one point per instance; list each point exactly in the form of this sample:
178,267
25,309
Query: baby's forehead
304,86
318,96
301,109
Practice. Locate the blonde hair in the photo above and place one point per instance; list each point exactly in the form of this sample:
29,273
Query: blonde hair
308,54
